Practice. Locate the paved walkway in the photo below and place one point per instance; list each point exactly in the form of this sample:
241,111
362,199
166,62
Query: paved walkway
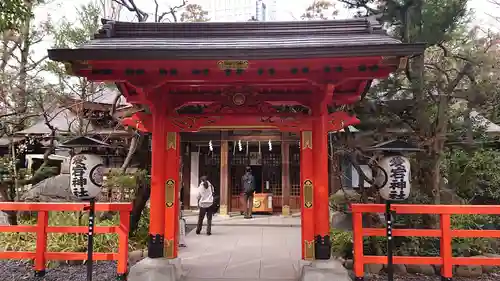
243,253
258,220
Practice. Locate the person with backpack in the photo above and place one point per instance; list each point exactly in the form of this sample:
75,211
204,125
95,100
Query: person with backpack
248,184
205,203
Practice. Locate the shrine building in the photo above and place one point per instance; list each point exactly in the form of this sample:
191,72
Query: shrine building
274,157
288,81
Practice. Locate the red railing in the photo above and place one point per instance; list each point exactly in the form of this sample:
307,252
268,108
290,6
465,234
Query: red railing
42,228
446,234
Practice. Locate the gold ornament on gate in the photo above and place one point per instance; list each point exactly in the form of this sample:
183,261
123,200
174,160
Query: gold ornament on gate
239,99
232,64
308,250
171,140
169,249
308,194
169,193
306,140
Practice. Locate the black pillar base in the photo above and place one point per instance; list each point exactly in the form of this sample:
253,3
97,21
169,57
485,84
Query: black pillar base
156,246
359,279
446,278
121,277
40,273
322,247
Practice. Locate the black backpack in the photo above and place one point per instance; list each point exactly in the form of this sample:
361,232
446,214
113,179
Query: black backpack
248,182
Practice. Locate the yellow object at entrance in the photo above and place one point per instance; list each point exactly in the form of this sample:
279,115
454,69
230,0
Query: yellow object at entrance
263,202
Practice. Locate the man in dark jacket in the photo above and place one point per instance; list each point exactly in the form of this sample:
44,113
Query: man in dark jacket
248,185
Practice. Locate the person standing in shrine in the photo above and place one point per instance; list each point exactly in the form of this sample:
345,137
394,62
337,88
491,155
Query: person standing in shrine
248,185
205,203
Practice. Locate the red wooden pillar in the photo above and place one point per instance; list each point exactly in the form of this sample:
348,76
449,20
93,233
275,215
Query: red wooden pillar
225,195
172,189
157,198
285,175
322,245
307,195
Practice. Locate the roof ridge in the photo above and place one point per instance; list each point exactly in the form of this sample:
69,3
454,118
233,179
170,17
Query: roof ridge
107,30
120,29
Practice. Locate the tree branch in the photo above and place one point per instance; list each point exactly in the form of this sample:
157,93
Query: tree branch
157,6
173,11
132,7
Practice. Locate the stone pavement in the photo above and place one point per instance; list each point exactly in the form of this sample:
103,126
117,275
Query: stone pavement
243,253
258,220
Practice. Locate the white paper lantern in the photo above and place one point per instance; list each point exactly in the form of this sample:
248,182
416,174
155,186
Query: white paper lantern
86,172
398,186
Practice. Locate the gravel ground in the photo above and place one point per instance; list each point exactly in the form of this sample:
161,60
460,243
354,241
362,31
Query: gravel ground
13,270
410,277
106,271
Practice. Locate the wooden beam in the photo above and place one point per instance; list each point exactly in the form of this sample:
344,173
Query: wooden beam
255,138
225,192
194,123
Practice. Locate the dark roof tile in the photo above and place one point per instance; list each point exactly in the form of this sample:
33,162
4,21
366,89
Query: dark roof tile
207,30
250,40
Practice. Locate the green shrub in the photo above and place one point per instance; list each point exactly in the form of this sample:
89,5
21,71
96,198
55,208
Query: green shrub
474,246
474,177
71,242
342,242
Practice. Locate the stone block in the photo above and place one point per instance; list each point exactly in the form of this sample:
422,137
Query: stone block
398,268
4,218
437,268
349,264
156,269
488,268
135,256
373,268
469,271
324,271
425,269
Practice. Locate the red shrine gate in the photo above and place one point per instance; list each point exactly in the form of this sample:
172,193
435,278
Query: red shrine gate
288,76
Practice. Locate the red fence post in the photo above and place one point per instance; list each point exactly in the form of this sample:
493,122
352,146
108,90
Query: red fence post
446,249
123,231
41,243
357,231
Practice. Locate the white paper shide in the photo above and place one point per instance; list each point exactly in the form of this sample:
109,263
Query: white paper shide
398,184
86,176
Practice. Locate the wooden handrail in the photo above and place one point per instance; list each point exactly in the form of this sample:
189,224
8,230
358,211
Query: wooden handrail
42,228
445,233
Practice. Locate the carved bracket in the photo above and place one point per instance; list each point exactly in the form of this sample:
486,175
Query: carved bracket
241,100
336,121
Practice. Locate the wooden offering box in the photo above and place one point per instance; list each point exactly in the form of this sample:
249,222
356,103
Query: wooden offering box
263,203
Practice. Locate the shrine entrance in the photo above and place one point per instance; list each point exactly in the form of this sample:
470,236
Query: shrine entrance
282,76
